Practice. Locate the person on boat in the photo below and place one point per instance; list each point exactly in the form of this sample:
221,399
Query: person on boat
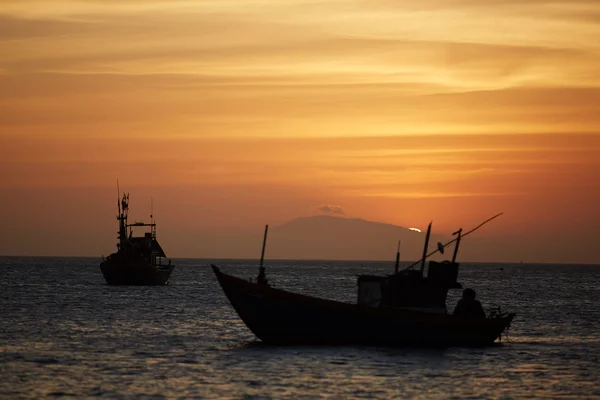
468,307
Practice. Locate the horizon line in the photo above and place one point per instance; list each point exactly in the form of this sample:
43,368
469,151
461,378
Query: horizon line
313,260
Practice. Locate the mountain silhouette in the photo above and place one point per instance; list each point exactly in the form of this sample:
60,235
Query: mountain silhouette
338,238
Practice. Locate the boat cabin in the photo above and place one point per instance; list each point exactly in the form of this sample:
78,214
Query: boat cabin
410,289
145,247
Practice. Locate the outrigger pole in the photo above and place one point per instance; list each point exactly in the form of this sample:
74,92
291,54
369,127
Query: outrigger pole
457,239
262,278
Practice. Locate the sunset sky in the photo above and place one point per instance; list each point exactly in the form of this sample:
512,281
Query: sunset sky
232,114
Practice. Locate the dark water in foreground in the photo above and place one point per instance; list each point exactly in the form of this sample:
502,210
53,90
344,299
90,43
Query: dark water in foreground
63,332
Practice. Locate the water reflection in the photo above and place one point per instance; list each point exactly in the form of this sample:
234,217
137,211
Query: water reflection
65,332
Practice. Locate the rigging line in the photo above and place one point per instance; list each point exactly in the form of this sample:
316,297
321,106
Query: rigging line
453,240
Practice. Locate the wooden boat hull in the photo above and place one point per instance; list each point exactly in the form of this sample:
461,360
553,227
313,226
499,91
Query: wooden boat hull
135,273
279,317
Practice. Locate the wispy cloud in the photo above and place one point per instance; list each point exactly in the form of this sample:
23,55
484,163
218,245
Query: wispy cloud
329,209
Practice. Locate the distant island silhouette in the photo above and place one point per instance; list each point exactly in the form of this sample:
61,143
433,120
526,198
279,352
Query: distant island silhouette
325,237
329,237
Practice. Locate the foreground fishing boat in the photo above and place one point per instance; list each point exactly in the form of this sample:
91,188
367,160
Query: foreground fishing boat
405,308
138,260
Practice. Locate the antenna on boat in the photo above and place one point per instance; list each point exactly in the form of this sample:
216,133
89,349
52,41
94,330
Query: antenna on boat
262,278
425,248
397,257
152,226
118,198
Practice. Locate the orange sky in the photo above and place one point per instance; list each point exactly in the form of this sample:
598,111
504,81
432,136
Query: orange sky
233,114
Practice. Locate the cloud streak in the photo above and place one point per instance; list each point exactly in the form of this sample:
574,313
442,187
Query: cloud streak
329,209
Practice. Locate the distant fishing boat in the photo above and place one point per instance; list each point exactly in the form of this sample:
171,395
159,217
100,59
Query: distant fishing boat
405,308
138,260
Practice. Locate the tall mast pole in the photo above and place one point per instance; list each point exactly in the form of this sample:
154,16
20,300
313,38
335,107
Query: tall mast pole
397,257
118,199
458,232
425,248
152,226
262,278
120,216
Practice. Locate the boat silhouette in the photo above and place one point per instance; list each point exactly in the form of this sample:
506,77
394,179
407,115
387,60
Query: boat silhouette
139,260
404,308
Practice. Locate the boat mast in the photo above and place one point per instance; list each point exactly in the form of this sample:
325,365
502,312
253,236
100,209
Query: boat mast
458,232
262,278
152,224
123,207
397,257
425,248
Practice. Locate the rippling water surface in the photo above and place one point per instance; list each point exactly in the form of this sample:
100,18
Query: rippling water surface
64,332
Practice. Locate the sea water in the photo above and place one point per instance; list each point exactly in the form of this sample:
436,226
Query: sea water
65,333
